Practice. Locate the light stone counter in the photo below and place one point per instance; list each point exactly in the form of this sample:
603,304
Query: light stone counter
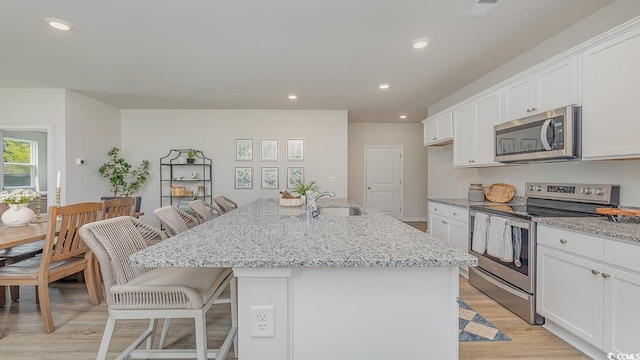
350,282
264,234
597,226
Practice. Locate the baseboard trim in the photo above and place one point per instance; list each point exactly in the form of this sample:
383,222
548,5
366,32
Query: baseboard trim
414,219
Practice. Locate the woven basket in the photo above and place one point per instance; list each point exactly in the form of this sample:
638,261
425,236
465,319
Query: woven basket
178,190
291,202
500,193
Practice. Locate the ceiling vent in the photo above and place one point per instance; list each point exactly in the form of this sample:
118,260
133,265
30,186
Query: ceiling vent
481,7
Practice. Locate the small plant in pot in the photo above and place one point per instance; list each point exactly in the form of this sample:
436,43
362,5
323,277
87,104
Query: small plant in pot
191,156
303,188
125,180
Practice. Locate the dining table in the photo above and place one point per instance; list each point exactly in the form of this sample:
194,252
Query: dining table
11,236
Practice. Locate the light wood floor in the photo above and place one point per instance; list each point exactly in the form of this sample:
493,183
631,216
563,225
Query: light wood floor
79,327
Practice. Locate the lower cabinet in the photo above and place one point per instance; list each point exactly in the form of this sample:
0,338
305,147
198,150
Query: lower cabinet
450,225
587,294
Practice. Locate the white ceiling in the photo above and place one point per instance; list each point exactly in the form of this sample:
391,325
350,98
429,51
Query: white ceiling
251,54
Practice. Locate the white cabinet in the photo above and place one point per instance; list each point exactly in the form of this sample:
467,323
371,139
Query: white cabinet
551,87
473,131
610,108
437,129
570,293
589,286
450,225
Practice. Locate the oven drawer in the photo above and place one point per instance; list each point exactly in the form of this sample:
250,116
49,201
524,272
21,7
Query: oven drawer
575,243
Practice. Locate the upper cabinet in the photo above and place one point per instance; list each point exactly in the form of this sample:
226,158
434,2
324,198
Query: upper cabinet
550,87
610,101
437,129
473,131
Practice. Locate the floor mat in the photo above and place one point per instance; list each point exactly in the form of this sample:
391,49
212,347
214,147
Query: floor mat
474,327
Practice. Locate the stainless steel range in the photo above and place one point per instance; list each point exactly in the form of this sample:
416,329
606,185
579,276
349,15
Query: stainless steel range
505,239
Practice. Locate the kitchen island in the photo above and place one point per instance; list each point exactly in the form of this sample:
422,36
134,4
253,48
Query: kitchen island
341,287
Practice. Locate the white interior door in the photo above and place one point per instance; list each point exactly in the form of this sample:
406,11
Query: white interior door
383,181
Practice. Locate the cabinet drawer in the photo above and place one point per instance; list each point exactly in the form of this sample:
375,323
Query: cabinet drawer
623,255
437,208
576,243
457,213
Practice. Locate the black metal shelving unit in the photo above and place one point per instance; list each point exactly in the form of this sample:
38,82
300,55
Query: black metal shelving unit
176,172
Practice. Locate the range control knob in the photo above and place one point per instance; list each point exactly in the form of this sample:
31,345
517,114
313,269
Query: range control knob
598,191
587,191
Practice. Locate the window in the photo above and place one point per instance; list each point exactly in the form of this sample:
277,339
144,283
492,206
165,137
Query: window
20,162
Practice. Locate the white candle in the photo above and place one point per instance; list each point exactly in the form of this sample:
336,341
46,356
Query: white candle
58,180
37,185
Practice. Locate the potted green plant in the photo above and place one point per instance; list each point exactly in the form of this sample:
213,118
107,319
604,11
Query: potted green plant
303,188
125,180
191,156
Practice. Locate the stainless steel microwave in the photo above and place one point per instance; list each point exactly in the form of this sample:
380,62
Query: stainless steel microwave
551,136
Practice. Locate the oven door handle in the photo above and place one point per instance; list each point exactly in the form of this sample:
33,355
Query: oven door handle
512,221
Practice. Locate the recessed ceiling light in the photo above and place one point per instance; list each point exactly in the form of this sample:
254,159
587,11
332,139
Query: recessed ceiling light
384,86
293,97
403,116
59,24
420,43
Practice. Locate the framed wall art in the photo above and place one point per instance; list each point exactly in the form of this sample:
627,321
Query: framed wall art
269,177
295,175
269,149
244,149
295,149
244,177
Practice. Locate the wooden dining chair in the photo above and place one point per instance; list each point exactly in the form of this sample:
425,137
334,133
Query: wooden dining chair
204,211
123,206
225,203
175,220
160,293
65,254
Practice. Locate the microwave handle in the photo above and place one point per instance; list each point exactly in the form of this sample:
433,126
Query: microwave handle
543,134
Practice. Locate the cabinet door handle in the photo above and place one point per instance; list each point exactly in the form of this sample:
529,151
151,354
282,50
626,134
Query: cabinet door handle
444,222
454,214
605,275
435,138
563,241
435,209
528,110
369,188
595,272
534,109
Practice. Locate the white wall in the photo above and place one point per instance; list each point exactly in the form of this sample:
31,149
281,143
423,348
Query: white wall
445,181
38,109
624,173
92,128
414,162
150,134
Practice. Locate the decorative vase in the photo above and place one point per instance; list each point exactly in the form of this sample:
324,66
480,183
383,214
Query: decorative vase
18,215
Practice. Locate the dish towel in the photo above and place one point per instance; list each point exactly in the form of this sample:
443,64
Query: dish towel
499,243
480,229
517,246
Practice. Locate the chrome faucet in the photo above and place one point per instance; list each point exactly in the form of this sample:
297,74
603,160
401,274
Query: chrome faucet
326,193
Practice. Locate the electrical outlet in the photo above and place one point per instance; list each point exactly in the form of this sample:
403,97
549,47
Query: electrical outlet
262,321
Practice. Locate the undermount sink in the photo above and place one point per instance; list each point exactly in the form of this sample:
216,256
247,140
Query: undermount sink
340,211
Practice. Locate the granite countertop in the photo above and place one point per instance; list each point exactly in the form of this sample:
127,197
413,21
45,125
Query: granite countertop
264,234
464,203
597,226
627,230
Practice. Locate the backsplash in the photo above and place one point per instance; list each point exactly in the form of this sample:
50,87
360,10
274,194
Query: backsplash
445,181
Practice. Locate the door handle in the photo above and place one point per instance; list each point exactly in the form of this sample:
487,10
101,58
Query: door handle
543,135
369,188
